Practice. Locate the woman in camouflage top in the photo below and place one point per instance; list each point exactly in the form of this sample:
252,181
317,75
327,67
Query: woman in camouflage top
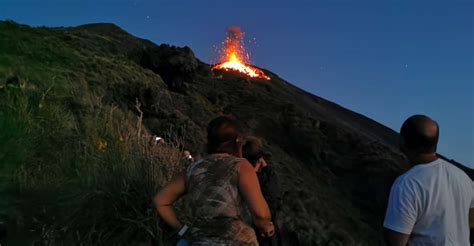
220,189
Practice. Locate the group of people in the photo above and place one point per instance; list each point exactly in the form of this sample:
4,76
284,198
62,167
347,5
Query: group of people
233,192
235,196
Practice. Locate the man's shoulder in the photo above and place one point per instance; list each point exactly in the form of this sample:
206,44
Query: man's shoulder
409,176
268,174
269,170
413,178
422,173
458,172
453,168
422,170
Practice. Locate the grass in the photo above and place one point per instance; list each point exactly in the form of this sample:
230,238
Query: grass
75,165
89,186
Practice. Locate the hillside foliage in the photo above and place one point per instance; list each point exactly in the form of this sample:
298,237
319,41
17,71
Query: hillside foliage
78,106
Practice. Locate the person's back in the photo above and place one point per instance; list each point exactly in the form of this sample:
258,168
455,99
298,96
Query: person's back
271,190
438,196
219,214
270,187
429,204
252,150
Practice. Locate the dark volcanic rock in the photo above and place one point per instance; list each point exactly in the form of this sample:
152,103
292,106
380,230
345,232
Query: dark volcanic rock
176,66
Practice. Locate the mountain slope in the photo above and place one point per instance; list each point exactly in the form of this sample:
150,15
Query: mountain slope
336,166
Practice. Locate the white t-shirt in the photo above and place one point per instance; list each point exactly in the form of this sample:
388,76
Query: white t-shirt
431,202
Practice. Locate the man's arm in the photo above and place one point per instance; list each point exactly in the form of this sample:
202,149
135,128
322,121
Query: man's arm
165,198
401,213
471,225
471,218
394,238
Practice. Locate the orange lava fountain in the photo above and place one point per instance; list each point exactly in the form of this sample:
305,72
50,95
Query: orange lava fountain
234,57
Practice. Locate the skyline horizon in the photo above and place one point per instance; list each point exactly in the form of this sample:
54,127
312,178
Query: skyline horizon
383,61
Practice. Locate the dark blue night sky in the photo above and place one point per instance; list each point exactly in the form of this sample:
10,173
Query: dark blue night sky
384,59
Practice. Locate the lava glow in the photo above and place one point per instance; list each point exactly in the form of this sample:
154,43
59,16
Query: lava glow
233,56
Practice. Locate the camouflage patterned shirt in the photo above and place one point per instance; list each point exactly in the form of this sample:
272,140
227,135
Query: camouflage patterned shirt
219,216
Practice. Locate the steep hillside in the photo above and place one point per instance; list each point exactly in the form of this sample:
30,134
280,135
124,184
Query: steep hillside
336,165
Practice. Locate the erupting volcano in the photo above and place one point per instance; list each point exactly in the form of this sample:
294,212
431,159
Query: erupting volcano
233,56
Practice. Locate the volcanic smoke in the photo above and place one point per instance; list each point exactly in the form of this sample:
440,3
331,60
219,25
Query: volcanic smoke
233,56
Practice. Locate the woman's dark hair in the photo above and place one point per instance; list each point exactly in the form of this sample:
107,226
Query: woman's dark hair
253,150
222,134
253,159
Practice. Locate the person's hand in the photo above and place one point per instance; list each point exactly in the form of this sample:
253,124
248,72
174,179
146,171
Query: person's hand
268,230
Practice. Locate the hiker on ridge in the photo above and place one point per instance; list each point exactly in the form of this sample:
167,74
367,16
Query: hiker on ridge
221,189
253,152
429,204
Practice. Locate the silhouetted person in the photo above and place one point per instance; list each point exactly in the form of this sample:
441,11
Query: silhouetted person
429,204
220,187
269,184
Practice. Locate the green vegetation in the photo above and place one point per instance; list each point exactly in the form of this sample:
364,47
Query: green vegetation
75,165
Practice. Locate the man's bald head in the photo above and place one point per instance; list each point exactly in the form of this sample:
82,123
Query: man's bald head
420,134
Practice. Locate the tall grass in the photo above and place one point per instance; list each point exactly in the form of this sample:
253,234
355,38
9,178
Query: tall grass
85,179
74,168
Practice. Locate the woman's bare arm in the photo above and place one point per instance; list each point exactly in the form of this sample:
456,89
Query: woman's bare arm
165,198
250,190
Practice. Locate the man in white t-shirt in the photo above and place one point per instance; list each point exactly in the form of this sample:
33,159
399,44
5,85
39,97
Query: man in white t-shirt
429,204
